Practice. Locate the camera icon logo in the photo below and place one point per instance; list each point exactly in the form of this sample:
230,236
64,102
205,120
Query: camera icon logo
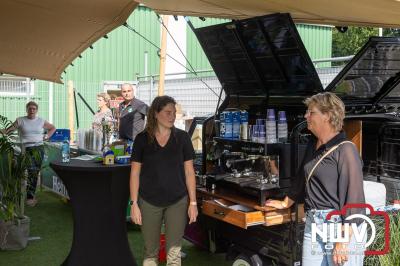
360,234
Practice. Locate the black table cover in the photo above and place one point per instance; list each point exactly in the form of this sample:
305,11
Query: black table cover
99,196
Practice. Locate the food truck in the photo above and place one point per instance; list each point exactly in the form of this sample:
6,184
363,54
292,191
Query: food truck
264,69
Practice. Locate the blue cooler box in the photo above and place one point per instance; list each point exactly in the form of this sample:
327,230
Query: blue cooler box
60,135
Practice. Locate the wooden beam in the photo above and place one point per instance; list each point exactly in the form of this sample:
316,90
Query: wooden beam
71,109
353,129
163,54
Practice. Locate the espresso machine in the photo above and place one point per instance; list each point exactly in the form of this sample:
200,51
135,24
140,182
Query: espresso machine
246,167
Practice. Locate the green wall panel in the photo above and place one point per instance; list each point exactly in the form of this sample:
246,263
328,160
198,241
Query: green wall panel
118,58
12,107
121,56
316,39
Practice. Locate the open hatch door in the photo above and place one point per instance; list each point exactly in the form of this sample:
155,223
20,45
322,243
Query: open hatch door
260,56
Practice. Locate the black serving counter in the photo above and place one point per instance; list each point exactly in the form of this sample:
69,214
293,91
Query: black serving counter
49,178
99,195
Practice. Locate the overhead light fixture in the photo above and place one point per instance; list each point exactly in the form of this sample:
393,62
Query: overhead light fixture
342,29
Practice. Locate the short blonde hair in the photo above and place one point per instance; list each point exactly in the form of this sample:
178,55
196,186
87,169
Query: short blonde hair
106,97
329,103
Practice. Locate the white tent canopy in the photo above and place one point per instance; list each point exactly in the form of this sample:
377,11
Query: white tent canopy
377,13
39,38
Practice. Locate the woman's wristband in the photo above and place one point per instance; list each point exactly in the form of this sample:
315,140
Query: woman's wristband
193,203
132,202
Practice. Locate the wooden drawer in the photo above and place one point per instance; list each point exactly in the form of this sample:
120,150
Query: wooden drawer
277,219
283,216
232,213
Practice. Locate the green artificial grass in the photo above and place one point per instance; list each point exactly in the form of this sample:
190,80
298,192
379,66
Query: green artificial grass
393,257
51,220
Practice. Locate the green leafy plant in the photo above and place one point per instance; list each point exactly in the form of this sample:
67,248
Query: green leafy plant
13,165
350,42
393,257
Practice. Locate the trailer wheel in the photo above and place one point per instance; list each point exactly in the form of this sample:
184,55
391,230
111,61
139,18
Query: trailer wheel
242,260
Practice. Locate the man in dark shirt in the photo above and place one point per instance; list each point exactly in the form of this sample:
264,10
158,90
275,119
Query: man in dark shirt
132,112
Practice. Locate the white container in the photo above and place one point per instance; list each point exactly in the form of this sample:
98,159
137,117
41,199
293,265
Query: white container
282,127
282,131
65,151
270,126
270,131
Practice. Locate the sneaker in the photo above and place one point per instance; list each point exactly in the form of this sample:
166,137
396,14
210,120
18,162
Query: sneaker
183,255
31,202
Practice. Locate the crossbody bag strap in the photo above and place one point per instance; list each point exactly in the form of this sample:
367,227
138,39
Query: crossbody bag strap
323,157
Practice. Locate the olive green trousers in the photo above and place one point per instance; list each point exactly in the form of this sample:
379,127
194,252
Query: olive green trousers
175,220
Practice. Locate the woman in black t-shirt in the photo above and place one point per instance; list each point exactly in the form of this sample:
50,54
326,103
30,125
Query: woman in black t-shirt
162,183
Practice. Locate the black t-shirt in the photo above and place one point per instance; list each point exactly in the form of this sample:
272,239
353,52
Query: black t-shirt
162,179
132,118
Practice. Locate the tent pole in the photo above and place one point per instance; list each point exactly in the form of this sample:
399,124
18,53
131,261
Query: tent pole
51,102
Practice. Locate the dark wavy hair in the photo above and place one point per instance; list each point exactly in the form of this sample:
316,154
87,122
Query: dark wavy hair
156,106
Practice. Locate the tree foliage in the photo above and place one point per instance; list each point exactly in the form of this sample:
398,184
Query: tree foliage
350,42
391,32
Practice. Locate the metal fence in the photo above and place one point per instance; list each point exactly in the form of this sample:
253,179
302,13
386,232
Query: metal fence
15,92
197,96
198,99
15,86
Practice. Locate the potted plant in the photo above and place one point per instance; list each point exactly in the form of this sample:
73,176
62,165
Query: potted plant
14,225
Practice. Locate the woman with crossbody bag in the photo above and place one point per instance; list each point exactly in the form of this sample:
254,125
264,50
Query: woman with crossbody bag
330,177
